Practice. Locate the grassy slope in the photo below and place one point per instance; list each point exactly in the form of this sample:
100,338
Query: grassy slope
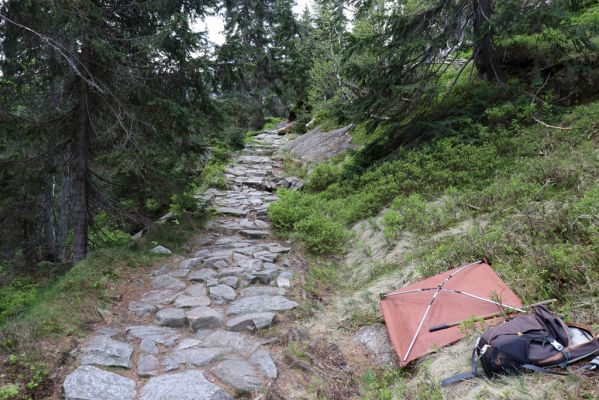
534,187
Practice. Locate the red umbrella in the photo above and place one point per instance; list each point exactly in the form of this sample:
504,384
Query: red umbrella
472,290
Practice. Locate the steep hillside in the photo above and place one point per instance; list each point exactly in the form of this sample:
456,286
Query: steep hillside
523,194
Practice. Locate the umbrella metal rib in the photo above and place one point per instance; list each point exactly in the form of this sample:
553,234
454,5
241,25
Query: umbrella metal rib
437,287
482,299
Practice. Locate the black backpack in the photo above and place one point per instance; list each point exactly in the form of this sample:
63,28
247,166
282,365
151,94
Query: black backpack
533,342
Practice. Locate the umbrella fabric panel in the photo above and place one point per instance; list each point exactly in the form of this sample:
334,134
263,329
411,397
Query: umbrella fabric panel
403,312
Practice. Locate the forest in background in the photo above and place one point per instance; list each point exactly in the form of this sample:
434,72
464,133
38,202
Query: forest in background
114,113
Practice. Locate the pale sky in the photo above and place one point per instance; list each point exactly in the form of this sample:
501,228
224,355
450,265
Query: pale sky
214,24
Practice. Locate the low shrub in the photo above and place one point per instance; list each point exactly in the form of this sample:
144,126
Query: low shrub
322,235
299,125
415,214
322,176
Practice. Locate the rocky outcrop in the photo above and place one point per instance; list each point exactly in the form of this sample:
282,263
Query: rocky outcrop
317,146
377,344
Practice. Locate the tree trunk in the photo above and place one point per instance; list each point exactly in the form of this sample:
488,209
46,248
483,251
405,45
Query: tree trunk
49,220
483,43
49,238
80,182
64,206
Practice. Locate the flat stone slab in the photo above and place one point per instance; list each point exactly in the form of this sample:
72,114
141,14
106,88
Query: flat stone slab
91,383
267,275
148,366
266,256
231,340
231,271
186,385
185,301
188,343
283,283
202,275
250,264
197,290
179,273
167,282
251,322
148,346
238,212
102,350
256,304
165,296
217,263
239,374
265,363
254,234
158,334
190,262
173,317
195,357
222,293
275,248
231,281
204,318
261,291
142,309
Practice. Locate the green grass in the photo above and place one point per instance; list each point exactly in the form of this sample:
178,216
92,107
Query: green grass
389,384
415,214
272,122
348,197
32,336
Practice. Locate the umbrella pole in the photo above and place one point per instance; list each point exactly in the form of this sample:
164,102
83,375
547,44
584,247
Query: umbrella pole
383,296
428,308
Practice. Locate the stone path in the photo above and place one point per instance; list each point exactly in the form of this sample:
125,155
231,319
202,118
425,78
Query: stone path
194,333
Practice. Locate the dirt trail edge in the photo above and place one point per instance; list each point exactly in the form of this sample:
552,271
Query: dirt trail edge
197,331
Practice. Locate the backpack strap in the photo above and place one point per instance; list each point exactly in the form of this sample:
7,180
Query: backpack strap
591,366
536,368
462,376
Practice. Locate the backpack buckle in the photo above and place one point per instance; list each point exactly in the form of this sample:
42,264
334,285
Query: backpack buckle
557,345
484,349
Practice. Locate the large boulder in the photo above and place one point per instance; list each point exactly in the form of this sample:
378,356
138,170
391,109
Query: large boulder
377,344
317,146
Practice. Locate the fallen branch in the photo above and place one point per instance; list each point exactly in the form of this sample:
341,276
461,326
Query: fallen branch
470,206
304,366
551,126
